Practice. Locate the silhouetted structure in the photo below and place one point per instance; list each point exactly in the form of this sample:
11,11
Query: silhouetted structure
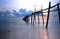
38,19
41,12
58,11
42,15
34,19
26,19
48,14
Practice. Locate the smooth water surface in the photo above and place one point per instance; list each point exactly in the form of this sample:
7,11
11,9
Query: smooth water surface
16,28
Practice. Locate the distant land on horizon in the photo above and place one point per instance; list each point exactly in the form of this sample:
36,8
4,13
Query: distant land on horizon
14,13
21,12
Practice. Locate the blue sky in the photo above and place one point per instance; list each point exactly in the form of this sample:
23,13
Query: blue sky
28,4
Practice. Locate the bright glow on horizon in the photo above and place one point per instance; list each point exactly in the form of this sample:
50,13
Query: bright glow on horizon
30,4
25,4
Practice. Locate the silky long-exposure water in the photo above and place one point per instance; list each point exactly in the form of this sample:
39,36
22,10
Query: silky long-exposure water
16,28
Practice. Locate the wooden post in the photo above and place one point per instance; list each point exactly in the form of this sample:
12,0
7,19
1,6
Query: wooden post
58,11
31,19
43,18
35,14
38,19
42,15
48,15
34,18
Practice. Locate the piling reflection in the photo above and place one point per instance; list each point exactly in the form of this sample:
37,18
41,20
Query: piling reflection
45,34
39,33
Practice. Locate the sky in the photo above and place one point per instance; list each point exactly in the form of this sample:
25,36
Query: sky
25,4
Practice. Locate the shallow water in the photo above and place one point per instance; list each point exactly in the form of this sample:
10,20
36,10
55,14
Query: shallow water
16,28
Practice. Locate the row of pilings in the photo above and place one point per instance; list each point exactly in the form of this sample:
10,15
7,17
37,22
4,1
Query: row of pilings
36,13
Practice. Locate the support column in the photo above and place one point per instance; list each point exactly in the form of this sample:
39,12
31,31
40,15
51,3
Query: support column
42,15
48,15
31,19
38,19
58,12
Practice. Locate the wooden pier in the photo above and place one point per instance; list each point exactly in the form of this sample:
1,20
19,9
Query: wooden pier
36,13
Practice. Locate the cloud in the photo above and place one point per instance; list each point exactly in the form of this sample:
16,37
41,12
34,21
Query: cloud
25,4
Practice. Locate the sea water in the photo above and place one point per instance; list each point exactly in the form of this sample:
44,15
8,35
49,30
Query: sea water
16,28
